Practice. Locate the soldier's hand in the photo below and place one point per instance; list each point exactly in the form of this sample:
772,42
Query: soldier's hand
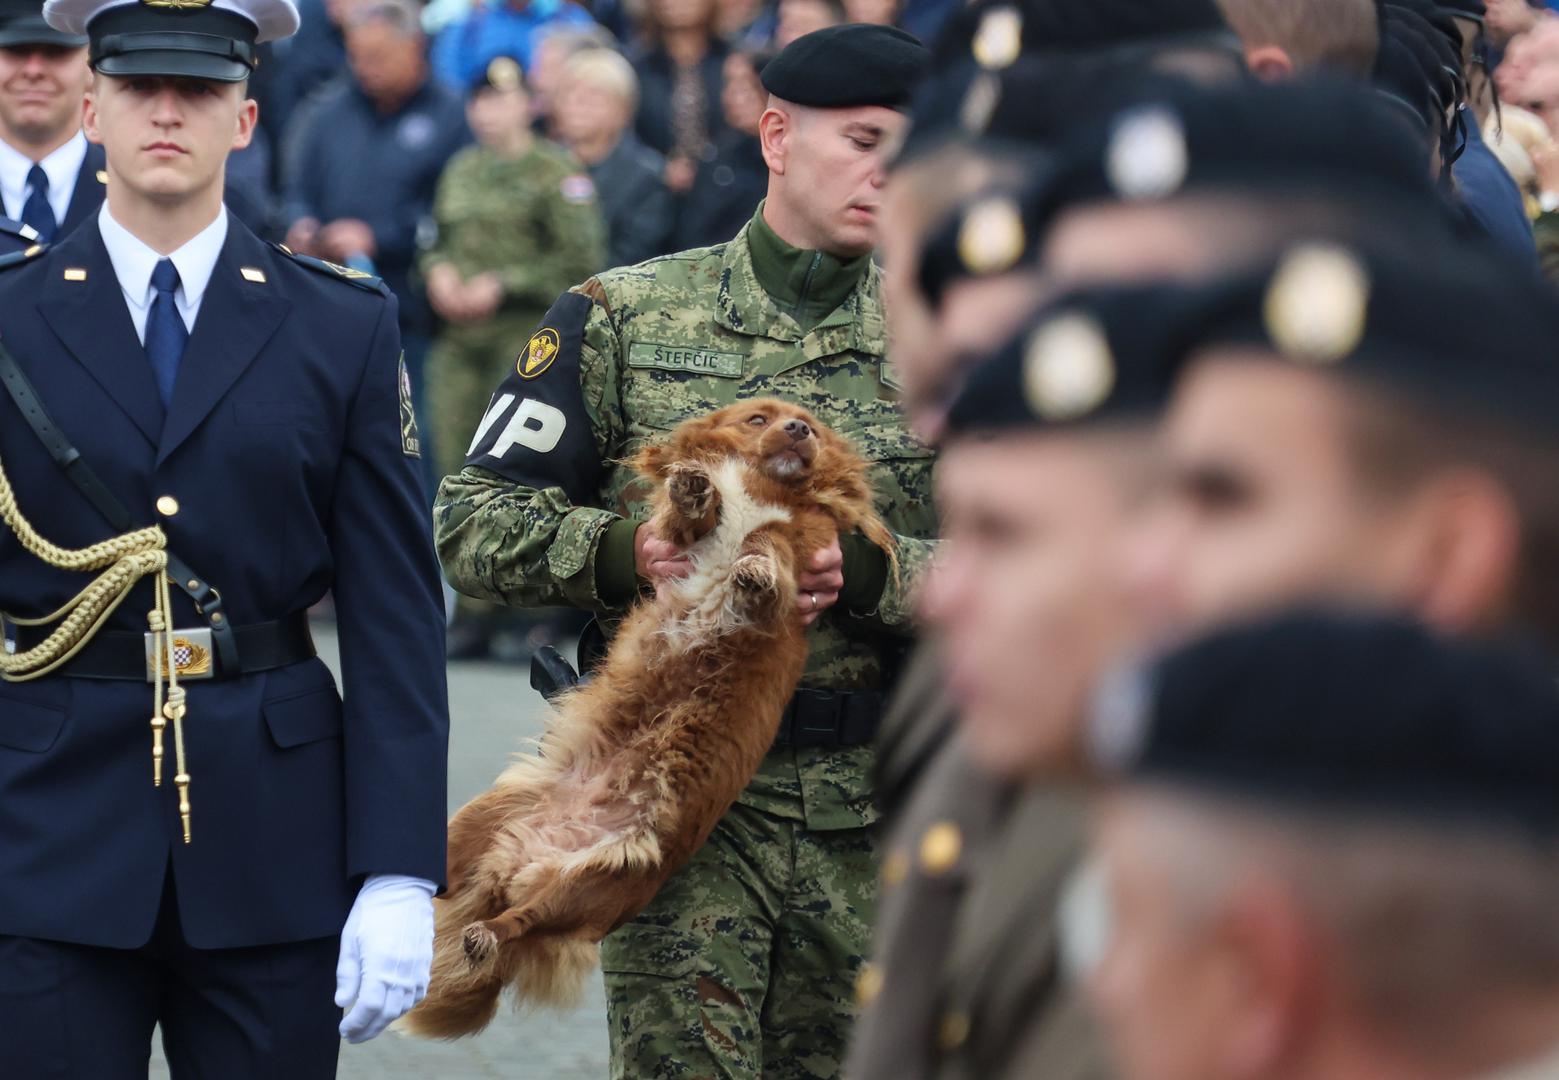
446,292
347,237
483,294
819,583
302,235
656,560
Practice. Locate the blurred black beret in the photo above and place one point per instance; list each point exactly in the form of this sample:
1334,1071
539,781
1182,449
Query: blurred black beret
1098,355
1474,10
841,67
1317,139
1467,334
1362,714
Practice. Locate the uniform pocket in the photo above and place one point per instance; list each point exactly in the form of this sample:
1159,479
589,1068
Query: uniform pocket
304,718
635,949
29,727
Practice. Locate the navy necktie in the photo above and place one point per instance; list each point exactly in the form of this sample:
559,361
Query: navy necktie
165,331
36,211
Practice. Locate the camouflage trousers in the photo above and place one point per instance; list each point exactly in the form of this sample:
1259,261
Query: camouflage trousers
744,965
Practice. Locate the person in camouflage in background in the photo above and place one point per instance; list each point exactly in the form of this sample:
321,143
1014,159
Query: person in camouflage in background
745,964
518,222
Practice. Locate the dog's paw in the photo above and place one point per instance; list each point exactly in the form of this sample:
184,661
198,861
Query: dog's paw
480,945
756,579
690,489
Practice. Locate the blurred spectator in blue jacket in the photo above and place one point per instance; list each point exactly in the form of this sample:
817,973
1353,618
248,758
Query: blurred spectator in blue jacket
594,116
495,28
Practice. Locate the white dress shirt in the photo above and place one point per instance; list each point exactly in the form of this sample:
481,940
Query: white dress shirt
134,262
61,167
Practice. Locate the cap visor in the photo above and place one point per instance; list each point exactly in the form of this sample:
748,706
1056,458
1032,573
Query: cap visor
37,32
175,63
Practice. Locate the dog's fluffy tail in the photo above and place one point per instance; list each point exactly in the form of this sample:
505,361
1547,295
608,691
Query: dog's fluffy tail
547,971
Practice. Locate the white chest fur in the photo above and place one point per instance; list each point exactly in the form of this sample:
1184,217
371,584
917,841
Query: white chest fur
706,597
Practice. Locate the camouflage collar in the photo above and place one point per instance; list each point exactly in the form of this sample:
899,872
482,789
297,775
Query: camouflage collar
742,306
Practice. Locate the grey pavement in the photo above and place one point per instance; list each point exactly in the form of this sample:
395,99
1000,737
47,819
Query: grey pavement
492,709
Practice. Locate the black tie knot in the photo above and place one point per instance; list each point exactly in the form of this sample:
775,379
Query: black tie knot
37,179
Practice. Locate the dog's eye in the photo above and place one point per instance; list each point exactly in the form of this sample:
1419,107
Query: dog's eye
757,419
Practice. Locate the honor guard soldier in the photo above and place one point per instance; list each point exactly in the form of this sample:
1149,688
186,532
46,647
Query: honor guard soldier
744,965
1329,852
207,433
51,177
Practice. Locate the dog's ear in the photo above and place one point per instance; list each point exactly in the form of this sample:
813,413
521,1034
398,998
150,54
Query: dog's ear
653,461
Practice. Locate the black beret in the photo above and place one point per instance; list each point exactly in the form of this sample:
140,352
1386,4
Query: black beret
1320,140
841,67
1095,356
1010,65
22,23
1473,10
1364,714
1465,333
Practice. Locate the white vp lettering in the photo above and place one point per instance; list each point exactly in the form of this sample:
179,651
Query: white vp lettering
535,425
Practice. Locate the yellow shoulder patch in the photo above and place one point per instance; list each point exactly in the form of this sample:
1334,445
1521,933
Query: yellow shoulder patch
539,353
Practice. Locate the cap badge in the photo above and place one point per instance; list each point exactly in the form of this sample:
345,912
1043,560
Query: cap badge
1068,370
1317,304
991,238
980,102
998,39
504,73
177,5
1147,157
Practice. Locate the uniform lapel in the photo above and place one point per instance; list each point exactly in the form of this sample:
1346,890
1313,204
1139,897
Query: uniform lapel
237,317
91,186
90,317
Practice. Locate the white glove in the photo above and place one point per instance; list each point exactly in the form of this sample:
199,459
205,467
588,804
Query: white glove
386,953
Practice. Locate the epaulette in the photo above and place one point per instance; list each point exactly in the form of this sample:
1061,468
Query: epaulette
360,278
17,258
14,228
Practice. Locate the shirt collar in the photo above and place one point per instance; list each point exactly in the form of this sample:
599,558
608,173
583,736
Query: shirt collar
61,167
134,261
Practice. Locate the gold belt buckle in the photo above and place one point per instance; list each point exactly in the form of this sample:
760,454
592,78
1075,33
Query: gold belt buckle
191,655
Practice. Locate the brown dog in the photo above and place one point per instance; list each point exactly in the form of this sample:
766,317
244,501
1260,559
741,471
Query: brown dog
641,762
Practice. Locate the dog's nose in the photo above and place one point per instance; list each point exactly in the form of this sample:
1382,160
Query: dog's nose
797,429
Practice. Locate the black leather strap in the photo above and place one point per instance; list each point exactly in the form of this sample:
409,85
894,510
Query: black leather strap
821,718
117,654
207,600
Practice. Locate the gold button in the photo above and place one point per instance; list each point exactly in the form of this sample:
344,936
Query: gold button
167,505
868,984
953,1031
895,868
940,848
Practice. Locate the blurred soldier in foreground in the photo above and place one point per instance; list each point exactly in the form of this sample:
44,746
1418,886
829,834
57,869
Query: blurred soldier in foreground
518,221
1333,854
744,965
1233,158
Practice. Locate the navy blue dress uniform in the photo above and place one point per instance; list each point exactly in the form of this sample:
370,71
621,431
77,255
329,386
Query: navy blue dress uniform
76,165
280,465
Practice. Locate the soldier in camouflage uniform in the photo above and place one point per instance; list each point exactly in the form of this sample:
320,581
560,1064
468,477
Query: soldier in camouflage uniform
744,965
518,222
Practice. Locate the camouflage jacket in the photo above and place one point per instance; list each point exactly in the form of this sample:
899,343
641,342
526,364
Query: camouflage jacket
544,511
532,220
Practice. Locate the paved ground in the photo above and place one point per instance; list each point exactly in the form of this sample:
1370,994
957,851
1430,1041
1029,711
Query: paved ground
492,708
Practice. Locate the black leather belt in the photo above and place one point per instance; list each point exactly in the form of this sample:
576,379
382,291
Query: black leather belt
817,718
118,654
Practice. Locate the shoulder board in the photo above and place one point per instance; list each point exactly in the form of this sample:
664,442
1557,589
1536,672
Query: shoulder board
17,258
17,229
359,278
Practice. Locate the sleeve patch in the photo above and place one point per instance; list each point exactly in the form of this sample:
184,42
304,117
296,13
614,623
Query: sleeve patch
537,431
577,188
411,440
